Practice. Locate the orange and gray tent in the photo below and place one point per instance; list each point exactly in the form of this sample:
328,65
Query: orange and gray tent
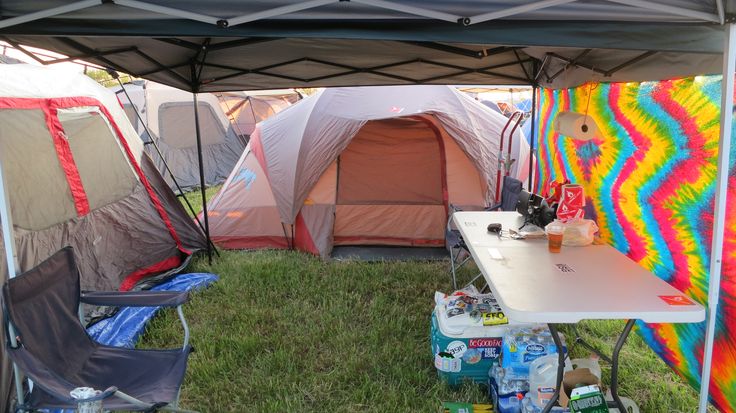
362,166
246,109
75,174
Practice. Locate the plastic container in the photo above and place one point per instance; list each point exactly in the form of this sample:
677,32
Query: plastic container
528,407
506,390
590,364
464,353
521,346
543,378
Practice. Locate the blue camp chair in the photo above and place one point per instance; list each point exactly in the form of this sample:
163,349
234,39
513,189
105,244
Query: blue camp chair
55,352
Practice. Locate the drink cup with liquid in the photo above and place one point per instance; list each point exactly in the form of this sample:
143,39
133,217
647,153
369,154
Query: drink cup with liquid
554,231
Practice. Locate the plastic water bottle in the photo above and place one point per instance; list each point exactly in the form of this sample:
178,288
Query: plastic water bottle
81,393
543,378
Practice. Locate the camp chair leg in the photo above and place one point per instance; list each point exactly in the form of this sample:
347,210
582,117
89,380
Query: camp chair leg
186,327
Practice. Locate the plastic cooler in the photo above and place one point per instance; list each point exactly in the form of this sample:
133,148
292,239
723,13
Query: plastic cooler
464,351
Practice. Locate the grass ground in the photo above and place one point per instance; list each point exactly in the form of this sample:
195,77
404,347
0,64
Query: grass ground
283,331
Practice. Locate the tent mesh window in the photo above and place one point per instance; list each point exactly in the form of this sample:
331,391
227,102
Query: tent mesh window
181,134
33,173
105,172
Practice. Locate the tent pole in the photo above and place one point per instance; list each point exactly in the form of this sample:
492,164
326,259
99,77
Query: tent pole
160,155
201,179
12,261
719,213
533,130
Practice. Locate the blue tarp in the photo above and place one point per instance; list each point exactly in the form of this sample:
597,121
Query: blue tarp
124,328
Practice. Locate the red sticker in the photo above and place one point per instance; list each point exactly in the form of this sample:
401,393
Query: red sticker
676,300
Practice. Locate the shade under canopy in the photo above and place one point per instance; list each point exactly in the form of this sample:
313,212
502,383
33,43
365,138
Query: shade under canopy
234,45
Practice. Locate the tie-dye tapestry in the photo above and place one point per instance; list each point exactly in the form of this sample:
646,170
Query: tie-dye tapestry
649,180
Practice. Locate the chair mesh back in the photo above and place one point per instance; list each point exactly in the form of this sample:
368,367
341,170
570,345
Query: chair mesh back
42,304
510,193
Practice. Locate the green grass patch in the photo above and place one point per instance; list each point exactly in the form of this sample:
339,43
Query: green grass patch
284,331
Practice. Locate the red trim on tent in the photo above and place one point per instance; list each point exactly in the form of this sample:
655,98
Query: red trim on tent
388,240
132,279
51,104
66,159
302,238
443,159
251,242
63,151
257,148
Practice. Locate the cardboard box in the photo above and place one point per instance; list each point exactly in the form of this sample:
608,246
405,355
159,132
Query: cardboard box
588,399
573,378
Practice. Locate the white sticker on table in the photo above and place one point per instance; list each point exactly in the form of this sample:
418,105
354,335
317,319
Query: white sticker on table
495,253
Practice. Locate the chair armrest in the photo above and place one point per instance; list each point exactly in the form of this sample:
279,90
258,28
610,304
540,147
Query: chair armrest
135,298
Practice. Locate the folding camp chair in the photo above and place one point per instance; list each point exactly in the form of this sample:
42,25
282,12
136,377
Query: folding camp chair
454,240
55,352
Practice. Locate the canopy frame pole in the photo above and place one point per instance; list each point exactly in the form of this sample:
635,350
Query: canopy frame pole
480,18
277,11
195,86
678,11
202,186
6,220
161,156
135,4
719,212
430,14
533,130
54,11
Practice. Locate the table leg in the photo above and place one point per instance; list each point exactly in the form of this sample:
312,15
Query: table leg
614,365
580,340
560,368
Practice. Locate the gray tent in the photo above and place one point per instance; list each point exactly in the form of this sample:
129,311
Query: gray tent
162,109
210,46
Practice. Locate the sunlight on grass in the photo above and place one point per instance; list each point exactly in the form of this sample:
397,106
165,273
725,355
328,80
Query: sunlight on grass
284,331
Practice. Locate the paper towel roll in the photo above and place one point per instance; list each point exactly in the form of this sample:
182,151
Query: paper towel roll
576,125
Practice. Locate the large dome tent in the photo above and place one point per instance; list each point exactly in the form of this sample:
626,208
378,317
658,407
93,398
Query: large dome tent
364,165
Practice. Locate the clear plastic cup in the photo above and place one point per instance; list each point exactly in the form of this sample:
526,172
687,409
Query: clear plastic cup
554,231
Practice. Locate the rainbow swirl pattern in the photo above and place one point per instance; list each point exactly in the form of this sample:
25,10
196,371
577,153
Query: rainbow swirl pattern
650,181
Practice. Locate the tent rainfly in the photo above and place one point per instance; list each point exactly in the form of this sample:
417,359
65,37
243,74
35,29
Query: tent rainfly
365,165
202,47
161,109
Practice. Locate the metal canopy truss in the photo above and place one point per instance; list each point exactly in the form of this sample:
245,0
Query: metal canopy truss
395,6
514,65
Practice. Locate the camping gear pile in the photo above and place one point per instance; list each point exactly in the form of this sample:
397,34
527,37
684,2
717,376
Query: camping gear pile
473,341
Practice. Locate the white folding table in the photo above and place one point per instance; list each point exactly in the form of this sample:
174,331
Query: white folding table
595,282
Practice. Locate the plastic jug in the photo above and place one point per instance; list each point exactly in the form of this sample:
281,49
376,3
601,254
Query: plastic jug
543,378
589,363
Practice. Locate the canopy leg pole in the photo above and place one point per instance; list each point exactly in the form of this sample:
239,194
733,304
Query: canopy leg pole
533,130
12,262
202,187
719,213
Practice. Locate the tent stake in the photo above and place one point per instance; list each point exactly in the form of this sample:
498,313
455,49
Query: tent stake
201,179
719,213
